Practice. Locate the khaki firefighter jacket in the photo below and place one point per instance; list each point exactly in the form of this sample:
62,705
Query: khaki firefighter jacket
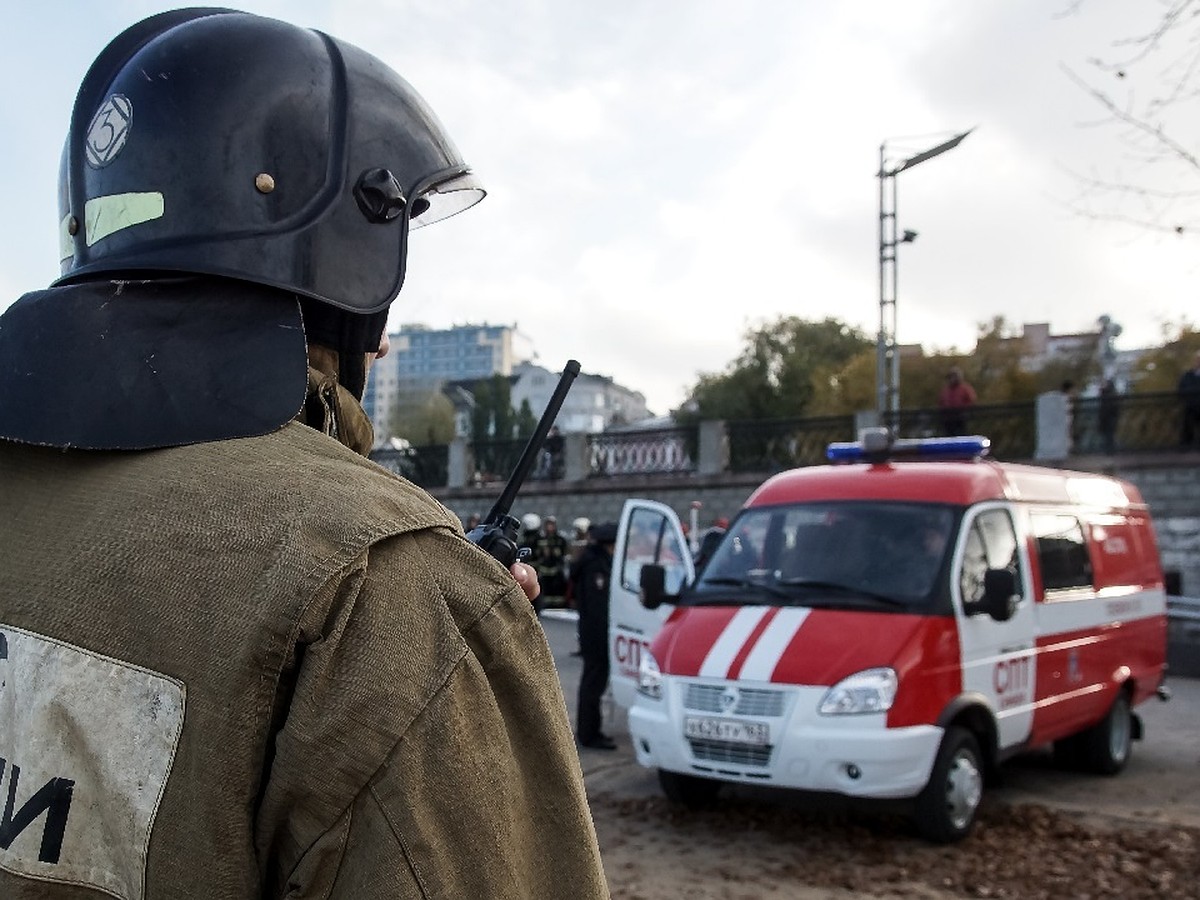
266,667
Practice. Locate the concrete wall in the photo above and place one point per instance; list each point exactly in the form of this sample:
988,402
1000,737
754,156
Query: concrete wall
1170,484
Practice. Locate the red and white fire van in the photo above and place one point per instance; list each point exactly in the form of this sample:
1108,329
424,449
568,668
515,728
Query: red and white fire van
892,625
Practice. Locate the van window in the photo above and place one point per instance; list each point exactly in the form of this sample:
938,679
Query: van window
1062,552
651,541
991,543
836,553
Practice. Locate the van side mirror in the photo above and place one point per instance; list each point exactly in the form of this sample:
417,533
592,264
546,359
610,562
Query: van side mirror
653,584
999,594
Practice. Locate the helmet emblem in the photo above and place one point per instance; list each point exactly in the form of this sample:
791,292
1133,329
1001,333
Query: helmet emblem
729,699
109,130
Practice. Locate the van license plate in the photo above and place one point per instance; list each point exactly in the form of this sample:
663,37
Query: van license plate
732,730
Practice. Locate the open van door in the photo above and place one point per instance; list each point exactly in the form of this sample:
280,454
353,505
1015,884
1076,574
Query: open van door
648,532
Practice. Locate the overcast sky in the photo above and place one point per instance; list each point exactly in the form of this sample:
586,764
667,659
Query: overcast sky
665,174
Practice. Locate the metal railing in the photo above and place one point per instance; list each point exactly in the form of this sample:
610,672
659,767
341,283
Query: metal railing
1011,427
778,444
495,460
1144,423
426,466
1185,610
658,452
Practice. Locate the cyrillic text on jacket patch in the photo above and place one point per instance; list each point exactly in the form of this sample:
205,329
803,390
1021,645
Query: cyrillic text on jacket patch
86,745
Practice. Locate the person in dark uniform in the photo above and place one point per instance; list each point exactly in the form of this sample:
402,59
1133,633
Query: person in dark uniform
1189,393
590,582
1108,414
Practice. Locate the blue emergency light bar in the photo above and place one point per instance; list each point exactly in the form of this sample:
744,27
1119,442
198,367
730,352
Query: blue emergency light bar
876,445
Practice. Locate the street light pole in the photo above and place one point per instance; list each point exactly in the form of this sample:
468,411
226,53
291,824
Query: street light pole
887,353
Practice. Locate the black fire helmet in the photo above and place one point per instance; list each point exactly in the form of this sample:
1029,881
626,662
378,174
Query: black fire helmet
222,171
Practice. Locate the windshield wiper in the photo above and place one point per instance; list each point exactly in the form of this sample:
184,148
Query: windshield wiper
746,584
818,584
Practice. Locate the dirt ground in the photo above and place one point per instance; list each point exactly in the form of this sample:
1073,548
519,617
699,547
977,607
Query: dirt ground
762,848
1043,831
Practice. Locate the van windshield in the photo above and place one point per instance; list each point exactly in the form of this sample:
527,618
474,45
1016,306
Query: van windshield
843,554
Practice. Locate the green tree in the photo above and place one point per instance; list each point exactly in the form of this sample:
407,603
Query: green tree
1158,370
493,417
423,418
994,368
783,368
1078,367
526,421
846,388
922,378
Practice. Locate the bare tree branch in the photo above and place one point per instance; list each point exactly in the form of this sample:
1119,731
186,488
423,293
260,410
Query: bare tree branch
1155,133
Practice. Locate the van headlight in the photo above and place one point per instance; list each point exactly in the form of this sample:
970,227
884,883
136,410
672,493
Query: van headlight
868,691
649,677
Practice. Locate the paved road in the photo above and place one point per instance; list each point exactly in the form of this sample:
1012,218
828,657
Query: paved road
1161,782
618,769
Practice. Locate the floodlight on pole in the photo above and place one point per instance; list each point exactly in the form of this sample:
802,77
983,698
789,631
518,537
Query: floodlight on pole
887,362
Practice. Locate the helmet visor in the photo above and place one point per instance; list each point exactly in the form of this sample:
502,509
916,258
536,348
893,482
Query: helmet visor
445,199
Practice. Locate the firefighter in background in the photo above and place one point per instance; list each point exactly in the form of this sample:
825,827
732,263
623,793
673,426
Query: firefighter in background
579,541
531,532
259,648
550,558
590,587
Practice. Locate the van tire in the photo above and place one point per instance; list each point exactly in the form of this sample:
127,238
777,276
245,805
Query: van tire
1104,748
946,807
688,790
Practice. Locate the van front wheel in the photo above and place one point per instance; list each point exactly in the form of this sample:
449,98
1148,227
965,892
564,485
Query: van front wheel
688,790
947,806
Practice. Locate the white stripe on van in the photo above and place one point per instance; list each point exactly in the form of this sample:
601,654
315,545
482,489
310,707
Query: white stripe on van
1090,610
768,649
725,649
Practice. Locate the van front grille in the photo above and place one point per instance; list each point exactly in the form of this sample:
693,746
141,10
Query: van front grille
725,752
706,698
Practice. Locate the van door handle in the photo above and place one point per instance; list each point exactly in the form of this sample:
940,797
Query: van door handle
1017,649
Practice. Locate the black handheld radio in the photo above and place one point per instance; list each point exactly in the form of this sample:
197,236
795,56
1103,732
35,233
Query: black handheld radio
497,534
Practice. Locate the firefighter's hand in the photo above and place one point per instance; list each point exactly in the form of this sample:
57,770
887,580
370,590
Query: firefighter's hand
527,578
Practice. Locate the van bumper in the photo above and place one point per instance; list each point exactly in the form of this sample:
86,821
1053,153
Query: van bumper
857,756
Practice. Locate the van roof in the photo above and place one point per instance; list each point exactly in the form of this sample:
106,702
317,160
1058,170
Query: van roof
959,482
